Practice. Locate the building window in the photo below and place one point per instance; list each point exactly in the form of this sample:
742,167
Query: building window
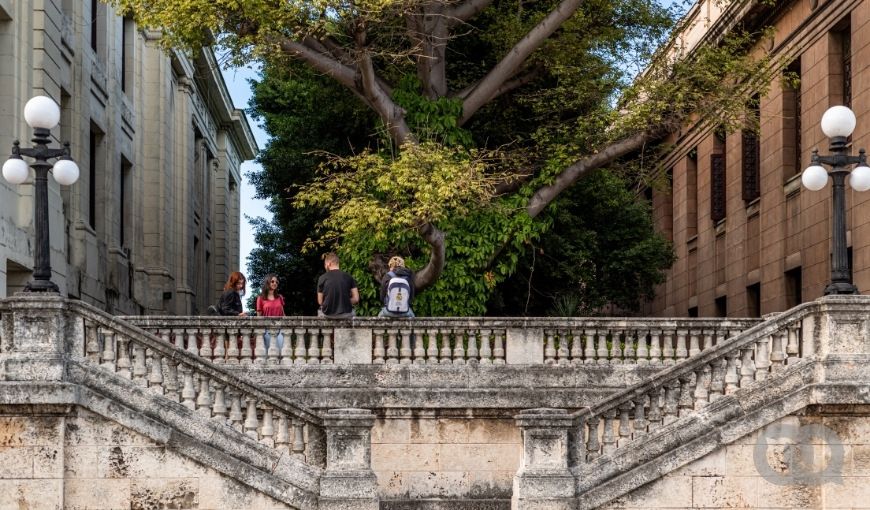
717,178
95,30
125,206
721,306
753,300
128,31
841,66
751,153
793,286
693,312
95,163
791,119
692,193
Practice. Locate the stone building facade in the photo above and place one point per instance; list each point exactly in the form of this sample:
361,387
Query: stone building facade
749,239
152,225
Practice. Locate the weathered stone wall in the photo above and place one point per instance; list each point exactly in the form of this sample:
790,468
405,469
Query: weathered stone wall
68,457
811,461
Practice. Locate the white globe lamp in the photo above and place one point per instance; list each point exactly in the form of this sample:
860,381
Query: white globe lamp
42,112
838,121
814,178
859,178
15,170
65,172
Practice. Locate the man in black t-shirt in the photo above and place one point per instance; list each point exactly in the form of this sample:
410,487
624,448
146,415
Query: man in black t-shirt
336,290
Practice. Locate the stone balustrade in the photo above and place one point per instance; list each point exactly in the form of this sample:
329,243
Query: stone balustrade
291,341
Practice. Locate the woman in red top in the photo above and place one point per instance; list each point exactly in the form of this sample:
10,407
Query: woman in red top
271,304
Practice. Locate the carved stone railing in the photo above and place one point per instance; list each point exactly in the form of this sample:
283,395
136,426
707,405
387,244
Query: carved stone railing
455,341
586,446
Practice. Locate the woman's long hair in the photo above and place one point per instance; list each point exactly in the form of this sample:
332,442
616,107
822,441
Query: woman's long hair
235,277
264,291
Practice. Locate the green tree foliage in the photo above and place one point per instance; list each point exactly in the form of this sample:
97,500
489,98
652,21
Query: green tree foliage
601,250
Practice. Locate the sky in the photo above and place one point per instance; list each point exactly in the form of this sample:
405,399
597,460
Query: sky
240,91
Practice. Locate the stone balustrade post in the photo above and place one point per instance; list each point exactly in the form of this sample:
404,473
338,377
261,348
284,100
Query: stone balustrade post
35,336
524,346
842,329
348,482
352,346
544,480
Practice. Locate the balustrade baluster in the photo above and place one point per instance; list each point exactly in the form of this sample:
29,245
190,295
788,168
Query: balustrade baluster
589,354
485,350
392,348
731,378
549,348
432,348
629,353
273,352
702,387
188,392
327,346
576,346
562,352
593,446
419,350
123,364
92,347
747,367
282,435
681,352
762,358
313,347
140,371
236,416
298,439
602,346
155,376
205,350
608,437
655,350
405,351
259,346
246,354
165,336
233,347
777,352
299,351
792,348
616,347
694,346
108,355
640,423
178,338
498,350
672,402
655,410
220,340
624,424
203,397
687,388
219,408
717,379
267,432
190,334
251,421
171,382
458,347
642,349
668,348
708,339
446,352
721,335
379,352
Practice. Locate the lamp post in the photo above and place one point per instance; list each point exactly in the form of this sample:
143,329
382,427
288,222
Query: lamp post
837,124
42,114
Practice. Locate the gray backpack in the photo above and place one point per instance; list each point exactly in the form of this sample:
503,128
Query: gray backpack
398,294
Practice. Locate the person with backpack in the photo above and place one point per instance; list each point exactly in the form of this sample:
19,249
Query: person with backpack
397,290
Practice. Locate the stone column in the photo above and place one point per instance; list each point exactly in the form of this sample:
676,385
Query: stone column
352,346
544,481
348,483
844,326
33,338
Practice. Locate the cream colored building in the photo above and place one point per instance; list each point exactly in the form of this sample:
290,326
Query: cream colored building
152,225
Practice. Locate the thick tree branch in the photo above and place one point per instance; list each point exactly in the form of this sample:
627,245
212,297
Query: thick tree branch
392,115
485,89
545,195
466,10
433,269
343,74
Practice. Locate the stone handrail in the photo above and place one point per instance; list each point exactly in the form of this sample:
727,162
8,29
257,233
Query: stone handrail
549,341
680,390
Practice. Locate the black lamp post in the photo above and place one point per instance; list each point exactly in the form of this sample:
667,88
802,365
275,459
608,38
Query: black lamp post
838,123
42,114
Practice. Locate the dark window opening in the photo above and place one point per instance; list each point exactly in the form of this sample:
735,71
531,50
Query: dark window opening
693,312
124,206
721,306
751,154
793,286
791,113
692,193
753,300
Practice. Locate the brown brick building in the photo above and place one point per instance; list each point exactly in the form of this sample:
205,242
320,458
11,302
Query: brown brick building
749,239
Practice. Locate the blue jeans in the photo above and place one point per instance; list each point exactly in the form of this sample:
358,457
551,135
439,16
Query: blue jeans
279,340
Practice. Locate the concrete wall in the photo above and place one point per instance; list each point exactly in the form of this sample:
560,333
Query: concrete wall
71,458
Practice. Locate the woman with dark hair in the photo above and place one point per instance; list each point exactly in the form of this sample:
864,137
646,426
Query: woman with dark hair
269,302
231,300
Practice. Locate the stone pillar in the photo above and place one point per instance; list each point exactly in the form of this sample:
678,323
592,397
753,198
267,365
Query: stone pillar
844,326
33,338
544,481
352,346
524,346
348,483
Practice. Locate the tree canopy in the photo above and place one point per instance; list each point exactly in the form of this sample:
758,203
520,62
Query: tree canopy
486,112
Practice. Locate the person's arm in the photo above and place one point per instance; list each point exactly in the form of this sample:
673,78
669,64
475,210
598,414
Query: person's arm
319,298
259,306
354,296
